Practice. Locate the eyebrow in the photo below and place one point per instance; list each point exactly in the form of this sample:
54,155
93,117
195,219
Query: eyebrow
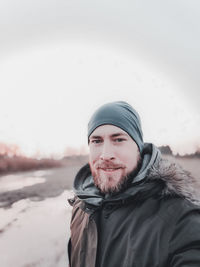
119,134
112,135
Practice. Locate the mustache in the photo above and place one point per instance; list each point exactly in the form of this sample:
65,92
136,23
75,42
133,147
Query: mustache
111,165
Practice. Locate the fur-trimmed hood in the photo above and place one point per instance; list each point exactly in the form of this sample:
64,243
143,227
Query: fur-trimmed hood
176,180
156,176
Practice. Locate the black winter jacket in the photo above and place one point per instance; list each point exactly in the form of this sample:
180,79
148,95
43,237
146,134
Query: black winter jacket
156,224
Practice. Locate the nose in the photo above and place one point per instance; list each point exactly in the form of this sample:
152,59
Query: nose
107,152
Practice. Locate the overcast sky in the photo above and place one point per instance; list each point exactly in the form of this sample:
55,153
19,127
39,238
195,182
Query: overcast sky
60,60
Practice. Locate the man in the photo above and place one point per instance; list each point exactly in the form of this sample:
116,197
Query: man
131,207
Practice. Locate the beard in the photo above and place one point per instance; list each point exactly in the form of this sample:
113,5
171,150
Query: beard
115,182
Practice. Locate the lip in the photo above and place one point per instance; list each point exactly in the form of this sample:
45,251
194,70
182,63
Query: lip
109,169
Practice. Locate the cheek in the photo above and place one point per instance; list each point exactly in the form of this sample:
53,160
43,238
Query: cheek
123,155
129,159
93,156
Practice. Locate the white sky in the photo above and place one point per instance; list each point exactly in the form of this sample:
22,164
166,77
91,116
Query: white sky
61,60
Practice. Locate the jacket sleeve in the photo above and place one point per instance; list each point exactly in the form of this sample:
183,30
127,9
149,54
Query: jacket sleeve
69,252
184,245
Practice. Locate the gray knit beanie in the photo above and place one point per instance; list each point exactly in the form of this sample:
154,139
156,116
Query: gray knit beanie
119,114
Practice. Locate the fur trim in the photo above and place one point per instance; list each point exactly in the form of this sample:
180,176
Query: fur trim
177,180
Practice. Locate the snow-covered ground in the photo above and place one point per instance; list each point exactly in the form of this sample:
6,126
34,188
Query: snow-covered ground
35,233
16,181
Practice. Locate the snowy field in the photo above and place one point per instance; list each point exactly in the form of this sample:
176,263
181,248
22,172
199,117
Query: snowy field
33,233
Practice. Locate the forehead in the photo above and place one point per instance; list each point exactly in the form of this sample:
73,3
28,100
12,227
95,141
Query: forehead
107,129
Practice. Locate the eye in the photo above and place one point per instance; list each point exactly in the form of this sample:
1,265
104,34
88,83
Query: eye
96,141
119,140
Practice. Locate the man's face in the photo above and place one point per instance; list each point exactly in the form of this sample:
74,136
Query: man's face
113,155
